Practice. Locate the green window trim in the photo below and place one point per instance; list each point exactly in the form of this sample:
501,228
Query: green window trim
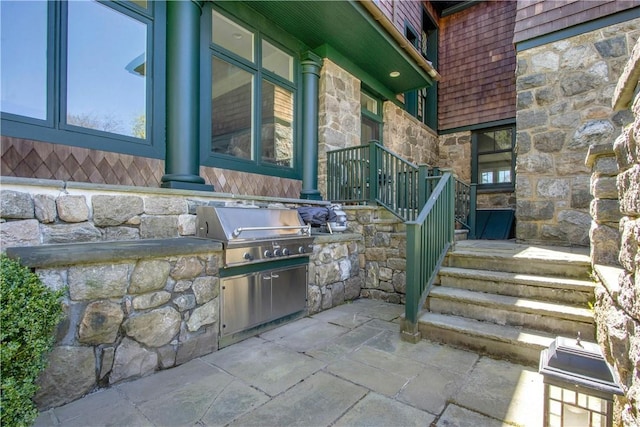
209,52
476,153
54,129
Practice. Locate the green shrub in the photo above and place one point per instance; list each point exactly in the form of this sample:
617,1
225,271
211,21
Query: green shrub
29,314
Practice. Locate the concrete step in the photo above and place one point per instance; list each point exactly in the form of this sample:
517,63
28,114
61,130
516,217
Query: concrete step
506,342
517,258
552,318
547,288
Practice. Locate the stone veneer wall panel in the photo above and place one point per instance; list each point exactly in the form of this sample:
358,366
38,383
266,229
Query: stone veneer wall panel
617,308
564,92
150,312
338,115
409,138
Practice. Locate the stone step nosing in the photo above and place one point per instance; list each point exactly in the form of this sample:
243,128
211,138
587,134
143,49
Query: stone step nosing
509,303
577,260
543,281
474,327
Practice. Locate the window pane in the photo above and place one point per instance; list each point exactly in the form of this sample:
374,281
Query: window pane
276,61
231,107
23,71
494,168
503,139
368,103
232,36
277,125
106,70
485,142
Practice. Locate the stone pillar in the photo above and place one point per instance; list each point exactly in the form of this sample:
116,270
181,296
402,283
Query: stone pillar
311,65
182,162
617,307
605,213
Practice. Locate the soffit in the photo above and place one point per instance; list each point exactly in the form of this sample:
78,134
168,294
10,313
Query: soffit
350,30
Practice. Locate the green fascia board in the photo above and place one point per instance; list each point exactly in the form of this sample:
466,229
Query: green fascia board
350,30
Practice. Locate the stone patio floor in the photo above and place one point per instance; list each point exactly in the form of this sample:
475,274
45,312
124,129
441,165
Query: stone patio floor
343,367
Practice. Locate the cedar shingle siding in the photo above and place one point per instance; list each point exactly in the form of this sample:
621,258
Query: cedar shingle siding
538,17
477,62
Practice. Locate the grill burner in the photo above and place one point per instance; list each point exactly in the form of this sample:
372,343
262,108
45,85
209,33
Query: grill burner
253,235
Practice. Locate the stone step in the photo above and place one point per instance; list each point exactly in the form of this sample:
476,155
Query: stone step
506,342
552,318
516,258
547,288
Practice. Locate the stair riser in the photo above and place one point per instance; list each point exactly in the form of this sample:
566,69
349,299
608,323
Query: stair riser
563,296
543,268
512,351
537,321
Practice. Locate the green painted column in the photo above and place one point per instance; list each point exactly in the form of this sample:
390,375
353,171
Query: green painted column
182,162
311,64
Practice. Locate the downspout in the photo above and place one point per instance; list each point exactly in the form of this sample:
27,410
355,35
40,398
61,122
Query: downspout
399,38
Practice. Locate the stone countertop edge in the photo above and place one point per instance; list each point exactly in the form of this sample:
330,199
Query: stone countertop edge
55,255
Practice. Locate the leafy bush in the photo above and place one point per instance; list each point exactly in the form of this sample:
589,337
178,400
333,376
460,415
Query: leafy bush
29,314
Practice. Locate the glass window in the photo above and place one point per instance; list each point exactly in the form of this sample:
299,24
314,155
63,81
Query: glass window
276,61
253,108
370,122
277,125
106,70
23,69
231,110
232,36
81,67
493,163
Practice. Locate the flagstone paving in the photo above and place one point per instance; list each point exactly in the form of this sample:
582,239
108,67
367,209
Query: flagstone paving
343,367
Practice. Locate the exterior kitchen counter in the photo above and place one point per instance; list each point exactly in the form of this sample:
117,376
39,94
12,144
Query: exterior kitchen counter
47,256
321,238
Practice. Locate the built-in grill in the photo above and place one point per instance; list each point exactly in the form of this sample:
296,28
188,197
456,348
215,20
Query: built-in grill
265,266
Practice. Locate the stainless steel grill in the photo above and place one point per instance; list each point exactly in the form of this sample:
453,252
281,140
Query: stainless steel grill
265,274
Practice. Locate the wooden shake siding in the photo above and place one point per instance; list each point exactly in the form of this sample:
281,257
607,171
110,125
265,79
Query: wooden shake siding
539,17
399,11
477,62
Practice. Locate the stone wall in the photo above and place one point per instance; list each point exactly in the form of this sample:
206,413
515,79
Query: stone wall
135,313
383,256
617,309
339,123
564,92
409,138
338,115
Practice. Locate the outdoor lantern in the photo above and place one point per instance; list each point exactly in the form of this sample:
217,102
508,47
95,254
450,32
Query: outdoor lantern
579,385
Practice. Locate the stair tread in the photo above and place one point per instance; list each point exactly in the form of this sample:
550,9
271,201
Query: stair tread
513,303
522,336
521,278
506,249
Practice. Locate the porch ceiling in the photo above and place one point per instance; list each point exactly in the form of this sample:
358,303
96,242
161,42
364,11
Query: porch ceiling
349,29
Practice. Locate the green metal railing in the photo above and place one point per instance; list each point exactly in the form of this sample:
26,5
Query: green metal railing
428,200
465,203
373,174
428,240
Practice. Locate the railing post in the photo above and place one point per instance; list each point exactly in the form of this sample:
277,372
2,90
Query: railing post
409,327
423,187
472,211
373,171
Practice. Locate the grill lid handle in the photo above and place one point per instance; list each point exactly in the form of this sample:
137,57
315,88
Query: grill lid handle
306,229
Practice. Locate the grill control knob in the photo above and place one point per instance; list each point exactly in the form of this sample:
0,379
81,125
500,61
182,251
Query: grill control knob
277,252
268,254
301,250
286,252
247,256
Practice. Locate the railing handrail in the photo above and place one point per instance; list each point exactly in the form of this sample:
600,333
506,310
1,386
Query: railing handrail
429,238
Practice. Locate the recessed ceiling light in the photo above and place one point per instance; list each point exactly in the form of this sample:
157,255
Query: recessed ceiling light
394,74
237,36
